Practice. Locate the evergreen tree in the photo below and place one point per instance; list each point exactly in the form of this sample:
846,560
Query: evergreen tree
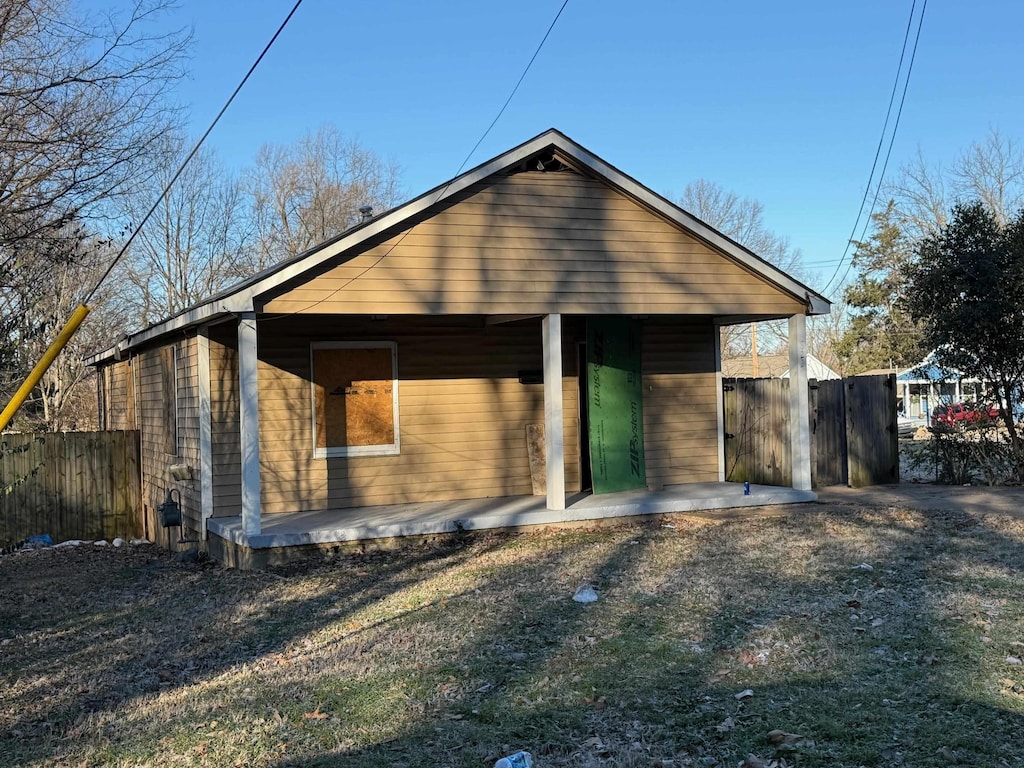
881,333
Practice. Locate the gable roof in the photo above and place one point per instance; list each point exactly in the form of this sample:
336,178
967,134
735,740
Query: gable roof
241,297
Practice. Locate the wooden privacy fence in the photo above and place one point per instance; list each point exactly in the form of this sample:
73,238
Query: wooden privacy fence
70,485
854,437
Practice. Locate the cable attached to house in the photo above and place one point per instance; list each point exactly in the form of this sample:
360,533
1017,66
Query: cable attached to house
443,189
191,154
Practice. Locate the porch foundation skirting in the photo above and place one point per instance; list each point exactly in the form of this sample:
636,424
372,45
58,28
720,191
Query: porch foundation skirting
326,527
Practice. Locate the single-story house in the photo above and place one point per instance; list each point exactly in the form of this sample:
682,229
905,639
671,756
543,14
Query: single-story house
920,388
773,367
534,341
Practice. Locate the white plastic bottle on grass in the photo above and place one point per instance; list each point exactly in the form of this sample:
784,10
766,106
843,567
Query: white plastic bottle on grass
518,760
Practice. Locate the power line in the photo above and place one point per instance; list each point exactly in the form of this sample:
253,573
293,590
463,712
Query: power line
881,139
191,154
892,138
516,88
444,189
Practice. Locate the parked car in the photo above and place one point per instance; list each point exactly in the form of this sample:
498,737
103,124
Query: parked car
963,413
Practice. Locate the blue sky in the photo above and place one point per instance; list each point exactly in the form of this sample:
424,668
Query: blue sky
782,102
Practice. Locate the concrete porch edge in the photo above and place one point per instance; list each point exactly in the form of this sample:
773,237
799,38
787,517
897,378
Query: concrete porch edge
299,529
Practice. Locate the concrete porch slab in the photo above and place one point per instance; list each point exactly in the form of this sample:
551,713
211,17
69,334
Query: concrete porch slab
296,529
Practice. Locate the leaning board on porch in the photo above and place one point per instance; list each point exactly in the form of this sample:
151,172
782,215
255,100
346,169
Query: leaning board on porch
853,431
70,485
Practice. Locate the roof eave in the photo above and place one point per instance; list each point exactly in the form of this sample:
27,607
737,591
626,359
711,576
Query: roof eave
197,316
243,296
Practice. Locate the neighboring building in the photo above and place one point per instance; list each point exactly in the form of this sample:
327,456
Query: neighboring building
386,381
920,388
773,367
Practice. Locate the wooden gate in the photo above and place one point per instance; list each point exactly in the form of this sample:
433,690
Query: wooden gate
829,464
757,431
872,436
853,431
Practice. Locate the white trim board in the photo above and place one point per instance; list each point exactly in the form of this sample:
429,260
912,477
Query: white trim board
243,296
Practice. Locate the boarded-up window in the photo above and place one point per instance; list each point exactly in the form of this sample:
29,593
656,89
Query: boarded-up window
355,398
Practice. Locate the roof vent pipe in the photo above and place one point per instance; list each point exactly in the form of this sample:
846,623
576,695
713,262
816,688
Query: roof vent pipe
367,213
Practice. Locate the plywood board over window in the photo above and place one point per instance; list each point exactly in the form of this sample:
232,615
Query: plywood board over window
355,398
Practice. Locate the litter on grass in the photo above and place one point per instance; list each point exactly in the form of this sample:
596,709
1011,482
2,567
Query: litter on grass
585,594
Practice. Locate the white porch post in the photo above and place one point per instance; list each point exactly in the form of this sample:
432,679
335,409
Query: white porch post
249,423
205,429
799,418
551,332
719,402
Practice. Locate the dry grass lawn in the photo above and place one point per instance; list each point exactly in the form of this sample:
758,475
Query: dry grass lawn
454,653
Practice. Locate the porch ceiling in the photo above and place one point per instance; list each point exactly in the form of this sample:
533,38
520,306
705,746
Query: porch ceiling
418,519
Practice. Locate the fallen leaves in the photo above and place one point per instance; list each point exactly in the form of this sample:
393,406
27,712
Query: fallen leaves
726,725
1011,688
777,737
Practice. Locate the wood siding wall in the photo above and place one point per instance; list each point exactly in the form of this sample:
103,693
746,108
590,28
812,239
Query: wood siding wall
462,411
680,401
462,414
158,418
119,403
540,243
227,457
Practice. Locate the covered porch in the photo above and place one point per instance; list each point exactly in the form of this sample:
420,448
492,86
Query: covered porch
337,526
666,488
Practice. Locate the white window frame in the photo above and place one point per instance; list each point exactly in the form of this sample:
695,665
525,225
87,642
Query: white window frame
385,449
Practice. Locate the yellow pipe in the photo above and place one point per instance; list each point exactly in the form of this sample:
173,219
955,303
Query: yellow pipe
44,363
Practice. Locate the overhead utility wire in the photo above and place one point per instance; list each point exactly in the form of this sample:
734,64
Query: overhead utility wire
881,141
191,154
443,189
892,138
519,82
82,310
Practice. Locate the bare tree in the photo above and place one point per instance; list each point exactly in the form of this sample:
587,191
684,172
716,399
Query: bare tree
83,106
190,246
823,335
34,314
742,219
993,173
307,193
990,171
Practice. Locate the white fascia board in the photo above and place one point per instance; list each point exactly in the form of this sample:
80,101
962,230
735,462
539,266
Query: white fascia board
816,305
397,216
199,314
242,299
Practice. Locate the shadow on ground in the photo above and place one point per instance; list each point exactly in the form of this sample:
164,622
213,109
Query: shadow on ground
456,653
